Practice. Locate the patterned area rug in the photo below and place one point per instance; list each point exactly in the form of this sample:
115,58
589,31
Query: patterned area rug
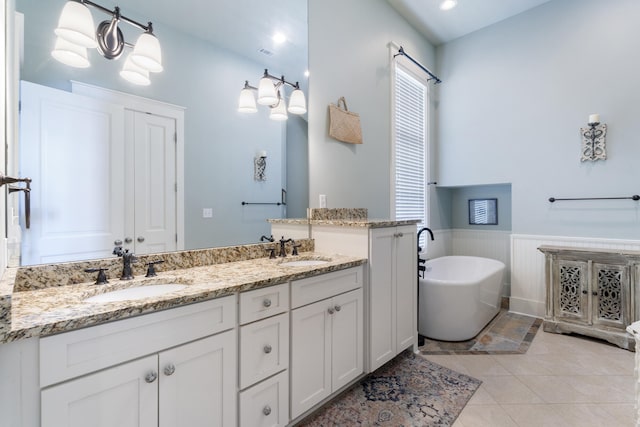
407,391
507,333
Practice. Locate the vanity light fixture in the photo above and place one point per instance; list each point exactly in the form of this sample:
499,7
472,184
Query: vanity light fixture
76,33
271,93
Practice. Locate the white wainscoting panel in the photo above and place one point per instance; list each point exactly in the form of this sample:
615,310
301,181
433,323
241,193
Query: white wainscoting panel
527,267
485,243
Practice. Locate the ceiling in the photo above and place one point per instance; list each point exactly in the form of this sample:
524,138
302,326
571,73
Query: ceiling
243,26
440,26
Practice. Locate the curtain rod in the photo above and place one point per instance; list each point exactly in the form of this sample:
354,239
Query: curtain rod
422,67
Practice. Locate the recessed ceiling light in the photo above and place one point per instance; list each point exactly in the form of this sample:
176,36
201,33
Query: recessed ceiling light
279,38
448,4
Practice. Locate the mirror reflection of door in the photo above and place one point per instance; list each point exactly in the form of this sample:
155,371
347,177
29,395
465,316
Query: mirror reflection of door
94,148
150,220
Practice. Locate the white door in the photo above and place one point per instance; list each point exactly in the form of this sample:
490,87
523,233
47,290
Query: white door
150,183
72,149
346,338
406,282
310,356
198,383
115,397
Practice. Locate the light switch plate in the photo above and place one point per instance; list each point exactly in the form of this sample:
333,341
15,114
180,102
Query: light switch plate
207,212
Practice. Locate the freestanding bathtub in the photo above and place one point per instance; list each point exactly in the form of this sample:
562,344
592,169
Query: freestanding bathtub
458,296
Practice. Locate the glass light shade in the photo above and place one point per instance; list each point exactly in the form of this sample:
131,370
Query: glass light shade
247,102
279,112
297,102
147,53
76,25
134,74
267,92
70,54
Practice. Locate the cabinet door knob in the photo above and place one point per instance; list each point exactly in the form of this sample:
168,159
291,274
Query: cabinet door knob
267,349
169,369
400,234
128,240
584,292
338,308
266,410
151,377
266,302
594,293
330,310
140,239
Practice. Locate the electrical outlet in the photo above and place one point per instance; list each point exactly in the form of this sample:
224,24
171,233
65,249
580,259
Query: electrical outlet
323,200
207,212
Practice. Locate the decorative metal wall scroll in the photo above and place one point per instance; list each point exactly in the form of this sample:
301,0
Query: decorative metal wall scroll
259,167
593,142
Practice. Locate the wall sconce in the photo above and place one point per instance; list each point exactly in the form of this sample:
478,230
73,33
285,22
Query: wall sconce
76,33
259,166
271,93
593,140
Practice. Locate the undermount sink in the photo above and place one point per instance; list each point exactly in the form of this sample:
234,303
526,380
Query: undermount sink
138,292
303,263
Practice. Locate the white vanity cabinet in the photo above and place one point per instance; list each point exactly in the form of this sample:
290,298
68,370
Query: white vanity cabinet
264,357
171,368
326,336
391,294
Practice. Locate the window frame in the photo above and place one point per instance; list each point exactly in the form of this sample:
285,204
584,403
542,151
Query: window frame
415,72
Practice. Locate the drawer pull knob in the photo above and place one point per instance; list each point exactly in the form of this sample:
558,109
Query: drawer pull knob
169,369
151,377
266,410
338,308
267,349
330,310
266,302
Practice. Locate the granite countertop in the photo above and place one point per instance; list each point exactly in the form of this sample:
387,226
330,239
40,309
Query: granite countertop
50,310
365,223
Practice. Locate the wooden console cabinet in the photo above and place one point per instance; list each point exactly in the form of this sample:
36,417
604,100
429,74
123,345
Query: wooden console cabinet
592,292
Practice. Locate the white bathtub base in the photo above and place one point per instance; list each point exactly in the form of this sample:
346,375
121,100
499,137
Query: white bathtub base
458,297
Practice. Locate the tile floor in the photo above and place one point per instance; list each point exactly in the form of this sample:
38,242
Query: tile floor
561,381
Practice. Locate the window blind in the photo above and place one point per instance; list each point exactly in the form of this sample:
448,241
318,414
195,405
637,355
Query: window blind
410,136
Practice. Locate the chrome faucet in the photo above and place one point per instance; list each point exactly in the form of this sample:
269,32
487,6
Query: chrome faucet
127,259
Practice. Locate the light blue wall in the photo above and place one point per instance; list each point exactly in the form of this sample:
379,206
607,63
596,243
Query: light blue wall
460,197
514,98
349,56
220,143
297,169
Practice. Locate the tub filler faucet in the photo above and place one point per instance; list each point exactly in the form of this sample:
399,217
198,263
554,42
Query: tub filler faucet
421,261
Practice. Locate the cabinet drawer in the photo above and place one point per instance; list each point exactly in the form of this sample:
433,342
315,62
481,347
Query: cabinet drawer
264,302
267,403
264,349
313,289
86,350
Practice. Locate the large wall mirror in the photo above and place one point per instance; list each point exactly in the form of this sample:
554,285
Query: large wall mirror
209,50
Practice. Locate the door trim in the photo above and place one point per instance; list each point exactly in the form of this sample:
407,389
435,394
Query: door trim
148,105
